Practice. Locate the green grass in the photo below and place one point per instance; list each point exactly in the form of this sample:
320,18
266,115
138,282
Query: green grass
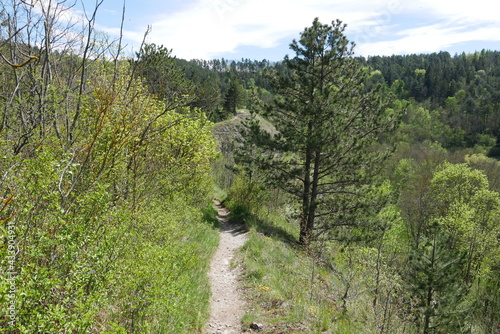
219,194
279,287
205,237
326,288
162,283
284,288
293,290
227,132
201,240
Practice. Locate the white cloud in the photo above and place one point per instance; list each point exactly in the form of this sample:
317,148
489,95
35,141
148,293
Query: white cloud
458,22
432,40
59,12
211,28
464,10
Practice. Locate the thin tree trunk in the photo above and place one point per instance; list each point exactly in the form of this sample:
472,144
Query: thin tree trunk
305,232
314,194
430,288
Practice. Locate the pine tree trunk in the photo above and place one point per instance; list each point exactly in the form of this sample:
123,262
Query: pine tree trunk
314,194
305,228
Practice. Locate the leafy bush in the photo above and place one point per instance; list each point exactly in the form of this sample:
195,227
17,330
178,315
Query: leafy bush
107,226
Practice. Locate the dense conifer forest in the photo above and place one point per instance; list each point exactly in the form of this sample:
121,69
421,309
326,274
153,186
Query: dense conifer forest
461,91
370,186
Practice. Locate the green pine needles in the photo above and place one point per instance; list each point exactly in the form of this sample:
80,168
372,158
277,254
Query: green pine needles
328,124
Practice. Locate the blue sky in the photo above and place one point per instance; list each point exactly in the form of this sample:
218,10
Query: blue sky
263,29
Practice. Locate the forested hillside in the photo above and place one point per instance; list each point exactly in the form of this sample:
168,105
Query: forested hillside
460,92
370,186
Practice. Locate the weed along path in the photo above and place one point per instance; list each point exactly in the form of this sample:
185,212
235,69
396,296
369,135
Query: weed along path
226,303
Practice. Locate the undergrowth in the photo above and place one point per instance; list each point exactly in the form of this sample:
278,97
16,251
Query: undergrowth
286,287
328,287
161,285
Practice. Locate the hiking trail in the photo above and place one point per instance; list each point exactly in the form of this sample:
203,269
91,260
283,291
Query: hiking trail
227,305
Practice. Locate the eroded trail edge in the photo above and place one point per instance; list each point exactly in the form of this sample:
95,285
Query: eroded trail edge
227,305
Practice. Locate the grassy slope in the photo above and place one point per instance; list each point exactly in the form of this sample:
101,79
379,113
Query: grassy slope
287,289
173,267
228,135
227,132
277,274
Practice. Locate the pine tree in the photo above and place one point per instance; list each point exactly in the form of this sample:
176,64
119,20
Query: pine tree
327,123
164,78
234,95
434,278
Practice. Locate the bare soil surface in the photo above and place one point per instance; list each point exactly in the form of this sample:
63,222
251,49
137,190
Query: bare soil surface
227,305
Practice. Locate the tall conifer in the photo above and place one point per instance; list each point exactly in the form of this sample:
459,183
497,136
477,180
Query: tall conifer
327,123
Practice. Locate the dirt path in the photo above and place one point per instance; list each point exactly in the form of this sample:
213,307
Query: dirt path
226,304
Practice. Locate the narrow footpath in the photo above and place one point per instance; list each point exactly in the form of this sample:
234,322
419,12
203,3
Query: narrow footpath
227,306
